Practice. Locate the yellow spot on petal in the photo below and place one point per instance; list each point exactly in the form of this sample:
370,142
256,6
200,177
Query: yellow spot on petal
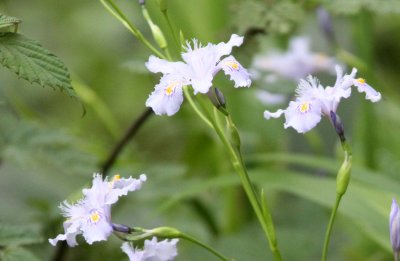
304,107
95,217
320,57
361,80
116,177
171,87
233,65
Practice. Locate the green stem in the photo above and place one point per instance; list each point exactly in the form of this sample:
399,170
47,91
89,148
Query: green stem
171,28
195,108
238,165
342,182
117,13
330,225
208,248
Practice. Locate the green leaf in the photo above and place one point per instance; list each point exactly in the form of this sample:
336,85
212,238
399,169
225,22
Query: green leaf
17,254
30,61
6,21
18,235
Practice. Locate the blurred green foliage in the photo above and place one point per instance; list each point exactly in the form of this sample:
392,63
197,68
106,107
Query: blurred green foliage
49,149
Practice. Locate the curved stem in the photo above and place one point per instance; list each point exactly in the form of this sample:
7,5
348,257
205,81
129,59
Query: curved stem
330,225
117,13
195,108
208,248
130,133
342,182
240,168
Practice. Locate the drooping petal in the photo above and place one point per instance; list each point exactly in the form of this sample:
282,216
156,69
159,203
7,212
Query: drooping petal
226,48
303,115
157,65
167,96
121,187
277,114
235,70
370,93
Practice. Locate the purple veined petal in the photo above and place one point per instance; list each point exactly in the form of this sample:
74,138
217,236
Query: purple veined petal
235,70
167,96
98,230
370,93
303,115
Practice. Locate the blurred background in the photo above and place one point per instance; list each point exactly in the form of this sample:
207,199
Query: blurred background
51,144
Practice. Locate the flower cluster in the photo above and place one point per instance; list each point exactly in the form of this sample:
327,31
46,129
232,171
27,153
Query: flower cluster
201,64
313,100
91,216
152,250
296,63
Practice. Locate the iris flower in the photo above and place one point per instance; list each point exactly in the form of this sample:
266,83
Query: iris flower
200,65
152,250
91,216
313,100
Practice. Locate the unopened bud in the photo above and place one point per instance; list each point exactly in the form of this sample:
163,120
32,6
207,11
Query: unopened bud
338,125
217,98
394,225
142,2
165,232
343,177
155,30
121,228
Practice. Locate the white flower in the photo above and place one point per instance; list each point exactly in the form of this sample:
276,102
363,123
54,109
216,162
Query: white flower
201,64
313,100
296,63
91,216
152,251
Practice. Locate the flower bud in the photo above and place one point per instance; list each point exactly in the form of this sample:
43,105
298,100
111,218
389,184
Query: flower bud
338,125
325,23
343,177
165,232
394,224
155,30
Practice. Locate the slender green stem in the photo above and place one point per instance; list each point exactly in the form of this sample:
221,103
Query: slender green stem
171,28
238,165
330,225
208,248
342,182
195,108
117,13
396,255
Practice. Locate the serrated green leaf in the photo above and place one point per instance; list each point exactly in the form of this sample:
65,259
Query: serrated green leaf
6,21
18,235
30,61
17,254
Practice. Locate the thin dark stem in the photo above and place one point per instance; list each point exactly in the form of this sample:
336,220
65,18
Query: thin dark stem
130,133
105,167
